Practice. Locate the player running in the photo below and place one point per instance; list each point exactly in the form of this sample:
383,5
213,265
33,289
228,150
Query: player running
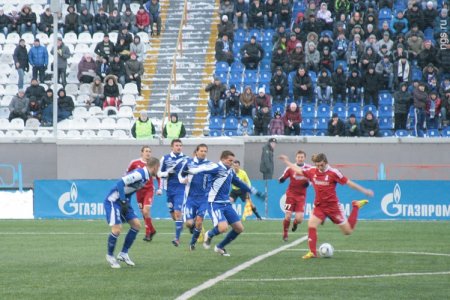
145,195
118,209
326,203
195,202
170,166
295,194
220,209
237,192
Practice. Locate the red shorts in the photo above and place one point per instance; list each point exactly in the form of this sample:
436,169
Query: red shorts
295,204
144,197
331,210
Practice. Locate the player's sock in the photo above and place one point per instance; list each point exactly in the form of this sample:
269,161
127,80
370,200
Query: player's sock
129,239
150,225
213,232
312,240
353,218
256,213
112,240
178,229
195,236
228,239
286,224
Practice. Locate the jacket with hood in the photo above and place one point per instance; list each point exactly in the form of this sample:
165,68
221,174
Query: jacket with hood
111,90
420,98
402,100
247,99
19,104
369,125
172,125
216,92
21,56
294,116
266,166
97,90
85,66
65,102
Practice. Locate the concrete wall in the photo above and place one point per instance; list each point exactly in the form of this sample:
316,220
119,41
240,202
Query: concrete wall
357,158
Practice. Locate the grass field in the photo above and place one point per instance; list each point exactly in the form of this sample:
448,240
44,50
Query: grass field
58,259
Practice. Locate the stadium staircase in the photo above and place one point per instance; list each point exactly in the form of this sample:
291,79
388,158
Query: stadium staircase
194,65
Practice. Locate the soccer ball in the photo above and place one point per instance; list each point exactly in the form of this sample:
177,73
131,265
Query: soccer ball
326,250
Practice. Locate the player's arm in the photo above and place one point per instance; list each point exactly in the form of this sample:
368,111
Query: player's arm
293,166
284,176
246,188
183,172
160,185
355,186
207,168
128,179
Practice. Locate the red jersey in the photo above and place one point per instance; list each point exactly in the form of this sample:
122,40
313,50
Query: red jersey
139,163
297,182
325,183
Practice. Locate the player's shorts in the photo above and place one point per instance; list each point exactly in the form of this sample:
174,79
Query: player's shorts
194,207
144,197
221,212
175,202
295,204
235,194
114,215
332,210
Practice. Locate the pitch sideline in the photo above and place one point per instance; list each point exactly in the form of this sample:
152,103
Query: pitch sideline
209,283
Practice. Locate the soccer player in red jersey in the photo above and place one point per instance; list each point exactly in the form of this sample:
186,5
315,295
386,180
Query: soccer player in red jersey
145,195
326,203
295,194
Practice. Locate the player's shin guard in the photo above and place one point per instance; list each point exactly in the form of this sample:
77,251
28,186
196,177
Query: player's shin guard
129,239
112,240
312,240
178,229
148,226
215,231
195,235
353,218
228,239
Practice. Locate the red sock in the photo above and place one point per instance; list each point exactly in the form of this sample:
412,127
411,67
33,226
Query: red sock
353,218
312,240
148,226
295,221
286,224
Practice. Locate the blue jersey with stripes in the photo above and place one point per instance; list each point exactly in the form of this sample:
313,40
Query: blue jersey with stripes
168,171
221,179
199,184
129,184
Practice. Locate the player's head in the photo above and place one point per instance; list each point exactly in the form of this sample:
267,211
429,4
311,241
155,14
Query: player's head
320,161
227,158
236,165
177,145
146,152
153,166
300,157
201,151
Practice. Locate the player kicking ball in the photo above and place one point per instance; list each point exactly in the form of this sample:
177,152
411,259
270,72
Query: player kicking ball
118,210
326,203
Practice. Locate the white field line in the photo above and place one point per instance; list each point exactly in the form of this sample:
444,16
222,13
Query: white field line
340,277
209,283
383,252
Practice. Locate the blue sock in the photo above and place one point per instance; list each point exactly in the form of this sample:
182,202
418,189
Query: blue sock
228,239
178,228
112,240
195,236
129,239
215,231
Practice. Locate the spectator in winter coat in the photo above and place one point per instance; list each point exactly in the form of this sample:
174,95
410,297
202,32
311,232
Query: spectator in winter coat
420,97
20,57
134,70
399,24
262,100
138,47
126,35
105,48
247,102
279,59
352,126
336,126
46,22
439,22
252,53
232,102
429,15
85,21
354,83
14,19
244,129
38,59
175,128
71,21
143,128
303,87
114,22
128,19
369,125
292,119
86,69
261,121
154,10
96,95
257,17
122,49
117,68
111,92
143,20
272,9
35,90
296,58
323,89
402,102
338,82
402,72
27,20
240,14
427,55
285,12
312,57
65,105
101,21
34,110
63,54
225,27
371,84
216,95
224,50
18,107
276,125
433,111
279,86
292,43
385,69
226,8
4,23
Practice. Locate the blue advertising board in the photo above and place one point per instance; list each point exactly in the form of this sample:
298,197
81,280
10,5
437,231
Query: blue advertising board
400,200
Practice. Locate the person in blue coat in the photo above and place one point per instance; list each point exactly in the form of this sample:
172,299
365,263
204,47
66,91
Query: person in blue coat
38,59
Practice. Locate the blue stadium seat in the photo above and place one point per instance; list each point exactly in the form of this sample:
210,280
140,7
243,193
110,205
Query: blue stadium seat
308,123
268,34
308,111
267,46
215,123
339,108
416,74
306,132
264,77
446,131
385,123
237,66
371,108
354,108
385,110
322,123
321,132
237,45
386,133
250,77
323,111
402,133
240,35
249,121
278,107
215,133
264,66
385,98
236,77
222,75
231,123
433,133
230,133
257,33
313,76
429,34
385,14
343,63
222,66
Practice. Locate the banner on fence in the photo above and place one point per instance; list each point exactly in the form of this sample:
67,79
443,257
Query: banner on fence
403,200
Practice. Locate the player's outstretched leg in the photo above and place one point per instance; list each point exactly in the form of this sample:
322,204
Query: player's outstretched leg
312,243
286,224
209,236
353,218
112,240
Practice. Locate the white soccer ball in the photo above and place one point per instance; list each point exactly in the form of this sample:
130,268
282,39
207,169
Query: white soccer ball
326,250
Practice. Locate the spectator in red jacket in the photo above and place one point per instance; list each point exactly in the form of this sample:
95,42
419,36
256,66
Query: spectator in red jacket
142,20
292,119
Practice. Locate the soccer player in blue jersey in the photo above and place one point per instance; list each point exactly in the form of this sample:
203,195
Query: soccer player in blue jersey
197,187
220,209
118,210
169,168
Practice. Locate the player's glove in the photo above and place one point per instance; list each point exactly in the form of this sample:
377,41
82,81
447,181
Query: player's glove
306,184
123,207
261,195
281,180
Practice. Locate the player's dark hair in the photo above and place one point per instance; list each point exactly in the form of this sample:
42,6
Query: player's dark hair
175,141
226,154
201,146
319,158
301,152
152,162
145,147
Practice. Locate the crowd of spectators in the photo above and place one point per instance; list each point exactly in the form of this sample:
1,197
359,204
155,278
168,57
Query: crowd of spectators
341,51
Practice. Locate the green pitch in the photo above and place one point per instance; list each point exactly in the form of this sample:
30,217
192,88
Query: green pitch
60,259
